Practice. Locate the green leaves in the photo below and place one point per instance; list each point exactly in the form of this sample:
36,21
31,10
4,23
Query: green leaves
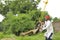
21,15
56,19
13,23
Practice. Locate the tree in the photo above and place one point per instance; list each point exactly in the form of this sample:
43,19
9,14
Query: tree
25,20
22,6
56,19
43,14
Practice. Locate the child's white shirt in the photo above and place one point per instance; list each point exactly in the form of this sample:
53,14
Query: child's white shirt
48,26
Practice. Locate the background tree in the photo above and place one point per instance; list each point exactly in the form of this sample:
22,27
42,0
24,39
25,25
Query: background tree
56,19
21,15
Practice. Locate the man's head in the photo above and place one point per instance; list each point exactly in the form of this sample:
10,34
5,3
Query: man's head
47,17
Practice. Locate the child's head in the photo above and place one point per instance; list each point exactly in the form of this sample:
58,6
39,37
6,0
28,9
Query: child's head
47,17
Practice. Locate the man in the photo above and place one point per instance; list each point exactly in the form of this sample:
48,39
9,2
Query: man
48,26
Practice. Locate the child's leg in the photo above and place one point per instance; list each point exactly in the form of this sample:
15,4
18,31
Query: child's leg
45,38
50,37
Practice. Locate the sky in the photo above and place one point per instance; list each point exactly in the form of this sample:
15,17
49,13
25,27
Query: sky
53,7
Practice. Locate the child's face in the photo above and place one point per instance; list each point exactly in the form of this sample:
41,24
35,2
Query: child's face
42,23
46,19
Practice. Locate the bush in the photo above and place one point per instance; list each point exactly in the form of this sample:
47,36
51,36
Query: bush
21,23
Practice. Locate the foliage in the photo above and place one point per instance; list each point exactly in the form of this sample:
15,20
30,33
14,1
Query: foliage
56,19
43,14
21,15
14,23
21,6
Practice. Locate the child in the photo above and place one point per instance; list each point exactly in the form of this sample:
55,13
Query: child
48,26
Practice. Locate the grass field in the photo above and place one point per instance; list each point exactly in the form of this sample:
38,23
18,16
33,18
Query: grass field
39,36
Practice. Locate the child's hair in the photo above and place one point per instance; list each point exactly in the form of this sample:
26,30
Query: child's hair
47,17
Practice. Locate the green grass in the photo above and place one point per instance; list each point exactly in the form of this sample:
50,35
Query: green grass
34,37
56,36
39,36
